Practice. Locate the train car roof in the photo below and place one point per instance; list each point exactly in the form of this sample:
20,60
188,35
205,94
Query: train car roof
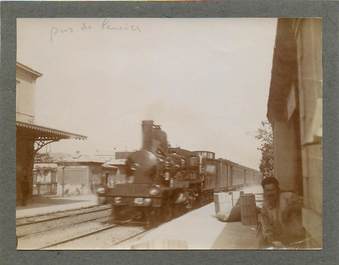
181,151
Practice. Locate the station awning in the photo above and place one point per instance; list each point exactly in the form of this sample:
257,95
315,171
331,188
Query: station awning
42,135
114,163
45,166
41,132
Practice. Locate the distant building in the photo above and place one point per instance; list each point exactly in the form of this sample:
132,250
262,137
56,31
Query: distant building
30,137
44,179
84,174
78,177
295,112
76,174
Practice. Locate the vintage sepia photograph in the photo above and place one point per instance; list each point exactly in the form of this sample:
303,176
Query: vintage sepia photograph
169,133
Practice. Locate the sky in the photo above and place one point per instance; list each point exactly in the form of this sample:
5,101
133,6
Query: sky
205,81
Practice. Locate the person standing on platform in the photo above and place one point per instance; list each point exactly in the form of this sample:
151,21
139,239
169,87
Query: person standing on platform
24,190
280,217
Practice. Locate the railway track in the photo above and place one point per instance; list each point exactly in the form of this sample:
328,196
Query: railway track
27,226
85,228
89,227
81,236
108,237
104,238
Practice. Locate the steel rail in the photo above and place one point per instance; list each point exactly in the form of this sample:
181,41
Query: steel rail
130,237
62,216
92,233
78,237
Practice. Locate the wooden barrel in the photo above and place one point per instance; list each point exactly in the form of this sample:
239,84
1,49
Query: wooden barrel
248,209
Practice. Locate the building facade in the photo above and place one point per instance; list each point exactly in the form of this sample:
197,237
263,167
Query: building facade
295,113
44,179
25,90
65,174
30,137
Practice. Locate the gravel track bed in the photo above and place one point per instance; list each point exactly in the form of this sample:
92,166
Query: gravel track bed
61,214
65,221
40,240
103,240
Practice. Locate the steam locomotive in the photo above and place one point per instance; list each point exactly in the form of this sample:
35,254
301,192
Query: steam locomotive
163,182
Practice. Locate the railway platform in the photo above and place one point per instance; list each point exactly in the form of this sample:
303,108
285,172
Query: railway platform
199,229
50,204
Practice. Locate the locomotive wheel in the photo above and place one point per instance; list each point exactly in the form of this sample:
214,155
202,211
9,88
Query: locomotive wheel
178,210
117,212
198,202
167,208
122,213
167,212
152,217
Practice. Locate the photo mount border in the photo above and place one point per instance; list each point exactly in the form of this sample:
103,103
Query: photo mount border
327,10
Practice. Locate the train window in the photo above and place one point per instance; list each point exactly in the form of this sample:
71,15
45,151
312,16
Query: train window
210,169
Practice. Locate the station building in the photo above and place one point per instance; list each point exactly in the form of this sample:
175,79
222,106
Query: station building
295,113
30,137
84,174
64,174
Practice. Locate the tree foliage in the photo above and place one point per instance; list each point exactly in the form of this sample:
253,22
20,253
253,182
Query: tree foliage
265,137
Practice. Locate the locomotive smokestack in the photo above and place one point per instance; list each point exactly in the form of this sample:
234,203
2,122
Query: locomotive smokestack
147,128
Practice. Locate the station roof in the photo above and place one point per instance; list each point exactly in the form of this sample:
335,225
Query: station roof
66,158
28,69
45,165
38,131
115,162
